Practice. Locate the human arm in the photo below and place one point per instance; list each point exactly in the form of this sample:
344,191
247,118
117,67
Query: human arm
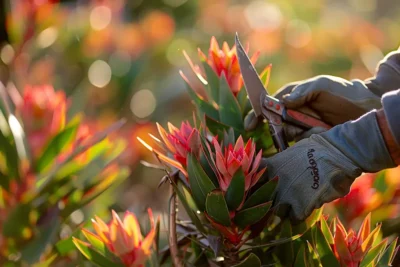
337,100
322,168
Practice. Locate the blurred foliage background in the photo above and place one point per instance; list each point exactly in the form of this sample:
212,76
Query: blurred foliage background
117,58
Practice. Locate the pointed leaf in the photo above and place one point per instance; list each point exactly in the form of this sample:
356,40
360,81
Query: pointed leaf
312,256
251,215
326,231
263,194
373,253
93,255
365,228
369,241
192,215
200,183
301,258
203,107
10,154
326,255
229,110
97,243
56,146
213,82
215,244
276,242
265,75
250,261
243,101
286,252
47,262
215,127
388,255
217,209
235,193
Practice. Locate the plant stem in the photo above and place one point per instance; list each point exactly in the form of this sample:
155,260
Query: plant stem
173,243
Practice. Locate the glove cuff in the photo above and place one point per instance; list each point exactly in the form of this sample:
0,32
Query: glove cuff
361,141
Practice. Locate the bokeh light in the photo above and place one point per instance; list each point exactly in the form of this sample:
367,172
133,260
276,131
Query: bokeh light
99,73
100,17
143,103
47,37
7,54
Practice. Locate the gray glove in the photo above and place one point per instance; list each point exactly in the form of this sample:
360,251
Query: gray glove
322,168
334,100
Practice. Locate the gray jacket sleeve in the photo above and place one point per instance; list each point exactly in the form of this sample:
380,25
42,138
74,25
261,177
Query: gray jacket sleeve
391,105
386,84
387,77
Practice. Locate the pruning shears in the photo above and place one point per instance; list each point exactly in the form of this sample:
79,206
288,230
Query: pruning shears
269,107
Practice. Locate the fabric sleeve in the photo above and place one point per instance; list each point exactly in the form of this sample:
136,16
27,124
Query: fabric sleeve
387,77
391,106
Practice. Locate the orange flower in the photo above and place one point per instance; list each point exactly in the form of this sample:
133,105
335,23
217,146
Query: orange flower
179,142
235,157
124,238
350,247
224,62
43,112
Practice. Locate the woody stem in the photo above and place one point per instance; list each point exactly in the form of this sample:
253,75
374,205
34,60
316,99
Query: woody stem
173,243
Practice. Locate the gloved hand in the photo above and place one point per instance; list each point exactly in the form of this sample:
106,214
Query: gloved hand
322,168
335,101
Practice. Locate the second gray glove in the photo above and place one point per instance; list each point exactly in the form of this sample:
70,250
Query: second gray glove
322,168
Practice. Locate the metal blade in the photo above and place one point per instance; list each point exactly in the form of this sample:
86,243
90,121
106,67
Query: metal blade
252,82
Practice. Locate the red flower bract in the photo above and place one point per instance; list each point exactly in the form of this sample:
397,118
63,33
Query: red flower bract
229,160
43,112
179,142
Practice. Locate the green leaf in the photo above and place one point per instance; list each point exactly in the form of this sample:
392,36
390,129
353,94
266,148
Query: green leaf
263,194
215,126
97,244
250,261
380,183
274,243
46,263
93,255
10,154
312,256
326,255
326,231
217,208
286,252
264,77
200,183
229,138
17,220
65,246
251,215
103,185
243,101
388,255
56,146
192,215
301,258
203,107
4,181
235,193
229,110
32,252
213,82
373,254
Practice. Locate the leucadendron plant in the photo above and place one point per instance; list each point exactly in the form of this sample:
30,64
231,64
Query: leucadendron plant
50,167
214,169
